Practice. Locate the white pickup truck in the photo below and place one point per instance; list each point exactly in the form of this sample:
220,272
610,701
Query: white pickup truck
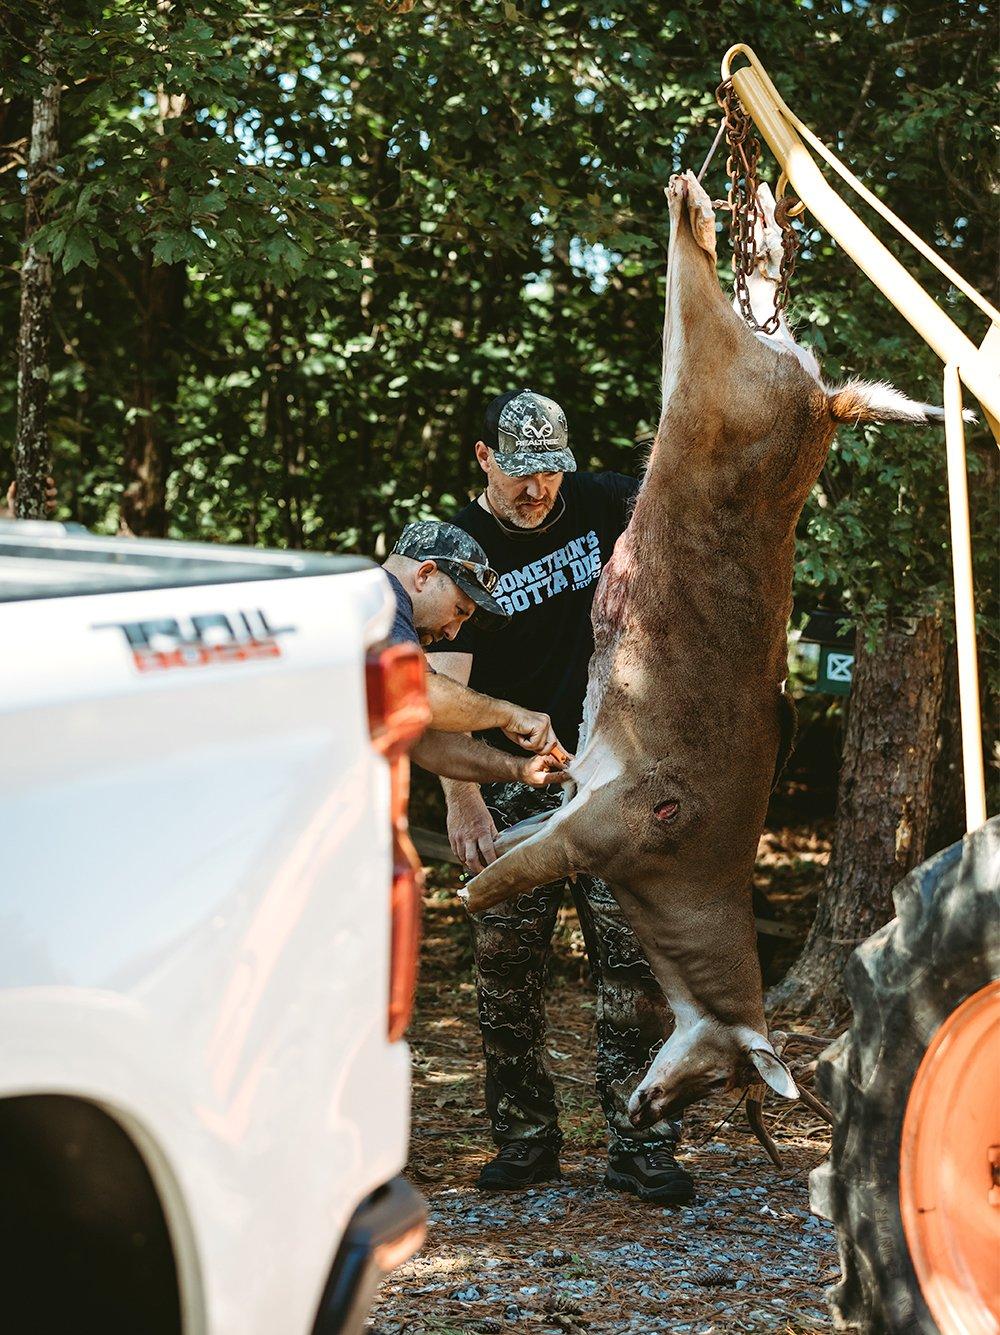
208,932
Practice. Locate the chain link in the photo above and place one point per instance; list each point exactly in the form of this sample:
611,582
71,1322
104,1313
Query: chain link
745,211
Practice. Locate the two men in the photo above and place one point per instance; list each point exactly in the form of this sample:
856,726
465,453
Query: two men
547,531
441,580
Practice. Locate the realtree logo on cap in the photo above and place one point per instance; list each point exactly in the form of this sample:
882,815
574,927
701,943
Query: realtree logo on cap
531,435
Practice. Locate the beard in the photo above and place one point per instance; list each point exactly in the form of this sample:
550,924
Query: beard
517,513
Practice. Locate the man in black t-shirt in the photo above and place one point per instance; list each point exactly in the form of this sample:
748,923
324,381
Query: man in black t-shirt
548,531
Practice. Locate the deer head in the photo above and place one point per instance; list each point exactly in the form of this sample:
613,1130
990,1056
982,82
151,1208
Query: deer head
706,1058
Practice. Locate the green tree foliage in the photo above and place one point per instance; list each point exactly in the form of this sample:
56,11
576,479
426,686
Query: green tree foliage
379,214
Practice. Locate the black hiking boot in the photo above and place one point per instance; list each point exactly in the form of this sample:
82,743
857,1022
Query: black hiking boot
652,1174
518,1165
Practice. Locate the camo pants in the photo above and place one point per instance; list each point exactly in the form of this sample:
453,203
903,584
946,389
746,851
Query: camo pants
512,943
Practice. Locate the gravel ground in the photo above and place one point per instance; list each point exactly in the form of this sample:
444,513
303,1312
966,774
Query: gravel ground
575,1257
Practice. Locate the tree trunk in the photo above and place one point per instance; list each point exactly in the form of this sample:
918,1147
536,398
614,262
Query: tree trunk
32,454
275,400
149,444
947,822
883,809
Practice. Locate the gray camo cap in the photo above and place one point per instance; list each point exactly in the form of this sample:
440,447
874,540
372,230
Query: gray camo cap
528,434
461,558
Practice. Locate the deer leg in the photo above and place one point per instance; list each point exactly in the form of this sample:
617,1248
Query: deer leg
762,283
701,214
693,292
524,829
541,856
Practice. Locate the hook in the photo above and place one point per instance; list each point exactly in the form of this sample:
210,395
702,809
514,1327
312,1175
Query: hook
795,210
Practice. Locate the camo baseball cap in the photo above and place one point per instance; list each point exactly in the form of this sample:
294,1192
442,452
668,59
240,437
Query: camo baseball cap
528,434
462,559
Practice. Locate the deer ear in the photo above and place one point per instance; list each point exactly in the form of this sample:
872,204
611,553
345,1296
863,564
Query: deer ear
774,1072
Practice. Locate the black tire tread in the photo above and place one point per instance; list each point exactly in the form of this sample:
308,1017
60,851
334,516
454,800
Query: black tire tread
943,946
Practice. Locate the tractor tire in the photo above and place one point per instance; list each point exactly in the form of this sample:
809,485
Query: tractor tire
904,983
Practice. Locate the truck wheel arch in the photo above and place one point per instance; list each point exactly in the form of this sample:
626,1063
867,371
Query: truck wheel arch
82,1227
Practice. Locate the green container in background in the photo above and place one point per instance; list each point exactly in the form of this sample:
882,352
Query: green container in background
824,653
836,668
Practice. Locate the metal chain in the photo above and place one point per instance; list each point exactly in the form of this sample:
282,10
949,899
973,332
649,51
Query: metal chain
745,211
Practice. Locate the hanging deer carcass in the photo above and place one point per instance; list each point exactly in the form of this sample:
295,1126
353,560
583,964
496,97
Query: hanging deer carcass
684,713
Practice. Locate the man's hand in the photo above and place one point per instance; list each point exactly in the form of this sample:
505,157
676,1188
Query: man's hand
471,831
539,771
533,731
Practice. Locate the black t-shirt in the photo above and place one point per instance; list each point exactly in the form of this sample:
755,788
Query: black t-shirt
547,582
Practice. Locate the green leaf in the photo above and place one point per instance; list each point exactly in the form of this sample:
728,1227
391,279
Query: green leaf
172,247
79,249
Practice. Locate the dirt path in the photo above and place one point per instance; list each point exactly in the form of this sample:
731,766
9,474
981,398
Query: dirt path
575,1258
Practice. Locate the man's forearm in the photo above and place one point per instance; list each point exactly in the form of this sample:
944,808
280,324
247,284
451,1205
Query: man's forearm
458,708
458,792
457,757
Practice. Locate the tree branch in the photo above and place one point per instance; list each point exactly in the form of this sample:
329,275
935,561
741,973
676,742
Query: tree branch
859,109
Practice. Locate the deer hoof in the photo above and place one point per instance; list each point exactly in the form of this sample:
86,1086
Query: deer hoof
701,215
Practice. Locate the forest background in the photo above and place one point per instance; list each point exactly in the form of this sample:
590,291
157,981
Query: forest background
296,247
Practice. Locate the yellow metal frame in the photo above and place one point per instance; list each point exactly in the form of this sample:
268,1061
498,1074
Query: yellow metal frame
978,368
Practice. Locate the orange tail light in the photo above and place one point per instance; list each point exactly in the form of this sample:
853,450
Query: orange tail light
398,713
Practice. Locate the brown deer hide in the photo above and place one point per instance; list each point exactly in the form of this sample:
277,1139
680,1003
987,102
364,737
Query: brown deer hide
684,712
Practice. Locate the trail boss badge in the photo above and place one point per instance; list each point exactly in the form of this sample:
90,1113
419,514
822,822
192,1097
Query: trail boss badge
200,640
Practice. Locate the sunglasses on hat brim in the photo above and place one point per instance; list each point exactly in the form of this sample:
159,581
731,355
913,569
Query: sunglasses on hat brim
485,576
